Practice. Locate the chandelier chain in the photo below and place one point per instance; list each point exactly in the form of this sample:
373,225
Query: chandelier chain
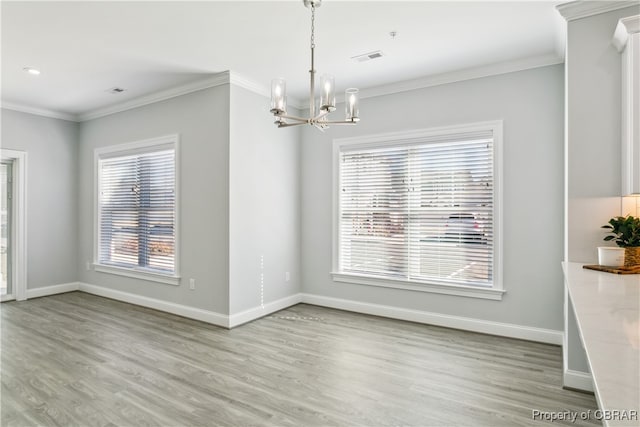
313,26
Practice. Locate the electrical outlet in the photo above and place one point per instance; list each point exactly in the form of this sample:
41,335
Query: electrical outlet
88,265
287,276
192,284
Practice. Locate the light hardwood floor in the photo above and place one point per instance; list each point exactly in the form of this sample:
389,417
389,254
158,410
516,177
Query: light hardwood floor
80,360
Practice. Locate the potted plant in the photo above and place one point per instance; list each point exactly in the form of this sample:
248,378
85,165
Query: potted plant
625,232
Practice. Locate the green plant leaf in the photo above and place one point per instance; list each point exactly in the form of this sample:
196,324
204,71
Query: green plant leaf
625,231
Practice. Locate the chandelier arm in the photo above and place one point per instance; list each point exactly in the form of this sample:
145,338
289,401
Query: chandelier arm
299,119
319,116
343,122
288,125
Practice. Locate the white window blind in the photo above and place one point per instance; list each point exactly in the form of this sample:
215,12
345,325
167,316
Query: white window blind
419,210
137,210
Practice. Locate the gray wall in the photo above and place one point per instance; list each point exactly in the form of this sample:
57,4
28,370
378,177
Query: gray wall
593,68
52,190
531,105
264,205
202,121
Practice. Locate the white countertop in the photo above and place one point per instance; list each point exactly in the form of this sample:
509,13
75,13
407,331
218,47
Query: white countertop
607,311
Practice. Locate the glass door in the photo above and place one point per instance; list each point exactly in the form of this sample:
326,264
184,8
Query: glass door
6,186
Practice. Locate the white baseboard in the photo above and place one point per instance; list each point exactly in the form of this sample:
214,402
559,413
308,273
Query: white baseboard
548,336
207,316
261,311
181,310
577,380
52,290
573,379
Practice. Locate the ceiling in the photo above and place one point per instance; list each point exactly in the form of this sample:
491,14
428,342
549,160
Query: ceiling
84,48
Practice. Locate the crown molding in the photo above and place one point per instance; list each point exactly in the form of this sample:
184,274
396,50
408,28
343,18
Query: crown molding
225,77
209,82
583,8
40,111
626,26
462,75
229,77
250,85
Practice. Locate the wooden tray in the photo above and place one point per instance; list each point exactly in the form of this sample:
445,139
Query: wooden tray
615,270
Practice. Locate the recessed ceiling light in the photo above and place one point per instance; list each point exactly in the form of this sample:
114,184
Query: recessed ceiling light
31,71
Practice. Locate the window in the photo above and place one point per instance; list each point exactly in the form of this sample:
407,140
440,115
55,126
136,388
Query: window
137,210
420,210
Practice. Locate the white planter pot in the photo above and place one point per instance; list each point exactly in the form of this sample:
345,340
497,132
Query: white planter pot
611,257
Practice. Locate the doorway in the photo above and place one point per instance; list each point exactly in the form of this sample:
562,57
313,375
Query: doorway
13,225
6,211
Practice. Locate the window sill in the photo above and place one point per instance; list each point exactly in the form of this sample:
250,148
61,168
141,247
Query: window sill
138,274
459,290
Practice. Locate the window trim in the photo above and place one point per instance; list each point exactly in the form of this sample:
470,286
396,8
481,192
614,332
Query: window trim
131,148
405,138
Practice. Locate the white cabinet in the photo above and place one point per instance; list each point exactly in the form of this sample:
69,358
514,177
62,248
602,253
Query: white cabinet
627,41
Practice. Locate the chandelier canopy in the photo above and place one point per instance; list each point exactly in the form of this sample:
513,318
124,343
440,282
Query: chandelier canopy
318,115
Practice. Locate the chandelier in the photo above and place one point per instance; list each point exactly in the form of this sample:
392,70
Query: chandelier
327,102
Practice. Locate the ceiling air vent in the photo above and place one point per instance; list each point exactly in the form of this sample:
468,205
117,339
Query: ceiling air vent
116,90
368,56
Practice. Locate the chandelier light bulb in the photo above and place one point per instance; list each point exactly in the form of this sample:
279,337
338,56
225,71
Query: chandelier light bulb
328,95
31,70
352,109
278,96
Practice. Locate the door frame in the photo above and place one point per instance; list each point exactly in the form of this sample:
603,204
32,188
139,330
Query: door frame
18,225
